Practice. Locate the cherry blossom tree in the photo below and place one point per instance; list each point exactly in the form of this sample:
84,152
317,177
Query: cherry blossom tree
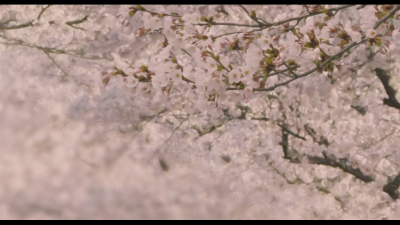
223,111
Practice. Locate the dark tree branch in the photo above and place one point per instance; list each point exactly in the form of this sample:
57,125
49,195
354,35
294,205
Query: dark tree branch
42,11
255,19
360,109
321,140
286,129
28,24
227,24
392,188
260,118
76,22
327,160
394,10
285,145
341,163
18,42
390,91
3,23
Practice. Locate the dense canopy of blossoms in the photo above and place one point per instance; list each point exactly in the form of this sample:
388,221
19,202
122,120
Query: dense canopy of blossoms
219,111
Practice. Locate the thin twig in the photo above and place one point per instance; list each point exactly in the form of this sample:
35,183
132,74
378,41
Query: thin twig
254,19
55,63
28,24
310,71
18,42
227,24
341,163
286,129
387,17
42,11
73,23
327,160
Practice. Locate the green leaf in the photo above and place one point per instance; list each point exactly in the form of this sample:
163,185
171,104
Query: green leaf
342,43
131,13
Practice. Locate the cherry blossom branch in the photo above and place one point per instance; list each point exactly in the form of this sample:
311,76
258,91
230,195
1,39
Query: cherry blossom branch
390,91
42,11
244,111
289,154
6,22
286,129
331,58
264,24
236,32
14,27
341,163
227,24
310,71
76,22
277,72
298,180
24,25
18,42
55,63
327,160
141,8
228,118
322,140
173,132
331,160
354,44
308,10
260,118
391,13
311,14
254,18
267,25
150,117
